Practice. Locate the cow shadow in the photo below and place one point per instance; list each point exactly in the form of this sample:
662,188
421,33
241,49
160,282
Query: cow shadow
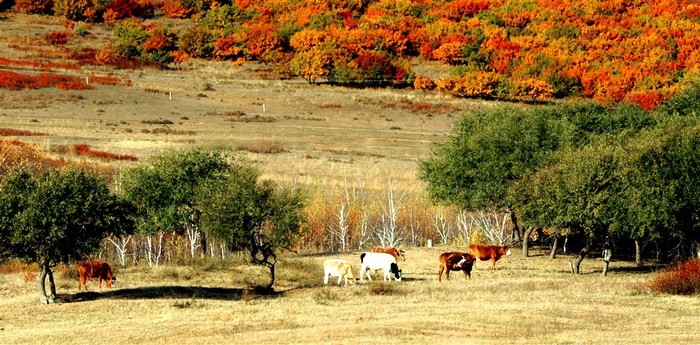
173,292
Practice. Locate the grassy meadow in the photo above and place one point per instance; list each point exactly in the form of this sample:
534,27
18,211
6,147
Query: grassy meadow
531,300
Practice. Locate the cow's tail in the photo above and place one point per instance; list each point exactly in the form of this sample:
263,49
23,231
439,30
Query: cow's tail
362,257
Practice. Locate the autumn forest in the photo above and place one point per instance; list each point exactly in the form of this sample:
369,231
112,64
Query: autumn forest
641,51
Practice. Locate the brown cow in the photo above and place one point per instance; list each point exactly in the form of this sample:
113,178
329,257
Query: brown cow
456,261
95,269
493,253
395,252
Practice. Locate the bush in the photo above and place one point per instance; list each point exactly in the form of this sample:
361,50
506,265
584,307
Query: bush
34,6
76,10
679,279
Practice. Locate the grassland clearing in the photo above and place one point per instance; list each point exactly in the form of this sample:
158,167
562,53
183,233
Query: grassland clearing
525,301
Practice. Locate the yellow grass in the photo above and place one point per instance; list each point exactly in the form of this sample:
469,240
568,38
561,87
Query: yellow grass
525,301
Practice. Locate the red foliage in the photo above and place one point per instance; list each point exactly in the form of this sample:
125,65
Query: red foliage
647,100
57,38
34,6
120,9
679,279
9,132
85,150
18,81
459,9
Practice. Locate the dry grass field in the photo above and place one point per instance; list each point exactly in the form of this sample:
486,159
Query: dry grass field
295,132
525,301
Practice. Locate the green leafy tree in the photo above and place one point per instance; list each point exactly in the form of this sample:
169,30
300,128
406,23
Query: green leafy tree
255,215
57,217
582,193
487,152
168,193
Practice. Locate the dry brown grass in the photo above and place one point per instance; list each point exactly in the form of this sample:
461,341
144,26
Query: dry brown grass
525,301
312,128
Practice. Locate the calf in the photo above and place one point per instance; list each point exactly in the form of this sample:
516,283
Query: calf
395,252
493,253
379,261
456,261
95,269
337,268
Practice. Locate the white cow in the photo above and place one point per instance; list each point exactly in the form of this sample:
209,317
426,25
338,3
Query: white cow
338,268
379,261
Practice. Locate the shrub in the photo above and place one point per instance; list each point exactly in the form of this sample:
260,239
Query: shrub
120,9
76,10
679,279
57,38
176,9
34,6
424,83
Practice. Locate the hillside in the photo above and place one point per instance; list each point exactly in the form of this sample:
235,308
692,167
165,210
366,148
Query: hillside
642,51
294,131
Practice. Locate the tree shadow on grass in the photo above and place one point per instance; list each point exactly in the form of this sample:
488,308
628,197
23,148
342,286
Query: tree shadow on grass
173,292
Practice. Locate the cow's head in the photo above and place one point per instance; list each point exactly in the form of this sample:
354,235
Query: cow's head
506,250
402,254
396,271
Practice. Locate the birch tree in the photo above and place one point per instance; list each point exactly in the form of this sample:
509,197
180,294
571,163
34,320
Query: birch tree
387,231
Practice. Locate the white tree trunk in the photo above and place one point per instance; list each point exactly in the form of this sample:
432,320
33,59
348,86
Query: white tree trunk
341,232
442,226
121,247
388,232
193,236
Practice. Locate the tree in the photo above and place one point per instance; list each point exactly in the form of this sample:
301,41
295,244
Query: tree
487,152
58,217
581,193
254,215
169,192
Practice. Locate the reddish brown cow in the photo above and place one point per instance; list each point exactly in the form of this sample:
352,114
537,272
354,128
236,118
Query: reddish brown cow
395,252
493,253
95,269
456,261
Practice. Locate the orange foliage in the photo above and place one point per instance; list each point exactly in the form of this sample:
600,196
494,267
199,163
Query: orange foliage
227,48
260,39
307,39
175,9
423,83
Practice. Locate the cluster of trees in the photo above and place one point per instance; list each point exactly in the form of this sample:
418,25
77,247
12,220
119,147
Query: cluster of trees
641,51
611,175
61,216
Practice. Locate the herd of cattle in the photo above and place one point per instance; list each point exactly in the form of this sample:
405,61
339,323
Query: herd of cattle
385,259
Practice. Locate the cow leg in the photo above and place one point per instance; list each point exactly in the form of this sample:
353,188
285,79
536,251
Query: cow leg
340,279
325,278
493,264
467,274
440,273
447,273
